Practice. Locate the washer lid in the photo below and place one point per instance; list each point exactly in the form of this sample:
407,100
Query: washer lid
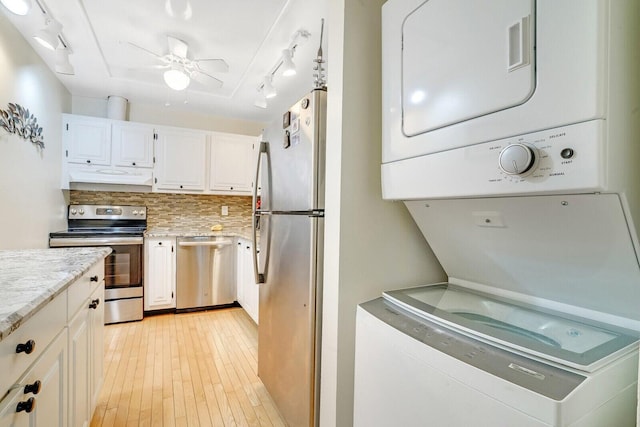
572,253
569,340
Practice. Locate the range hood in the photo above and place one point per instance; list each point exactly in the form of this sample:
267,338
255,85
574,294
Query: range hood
111,175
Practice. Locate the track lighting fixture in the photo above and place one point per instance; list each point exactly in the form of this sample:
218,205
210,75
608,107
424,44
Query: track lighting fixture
284,64
288,67
48,36
63,66
19,7
268,89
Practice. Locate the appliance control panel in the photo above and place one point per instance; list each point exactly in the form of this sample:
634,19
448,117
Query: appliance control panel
542,378
566,159
107,212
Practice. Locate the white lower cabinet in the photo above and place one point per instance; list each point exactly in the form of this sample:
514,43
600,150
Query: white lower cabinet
160,273
248,290
38,398
52,365
86,358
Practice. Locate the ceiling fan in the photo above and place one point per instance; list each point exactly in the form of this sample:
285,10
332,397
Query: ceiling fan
180,69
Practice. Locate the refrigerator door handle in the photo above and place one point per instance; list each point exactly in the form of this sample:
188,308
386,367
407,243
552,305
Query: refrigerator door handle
260,277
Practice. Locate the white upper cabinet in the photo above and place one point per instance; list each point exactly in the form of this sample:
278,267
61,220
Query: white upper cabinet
88,140
132,144
180,160
232,163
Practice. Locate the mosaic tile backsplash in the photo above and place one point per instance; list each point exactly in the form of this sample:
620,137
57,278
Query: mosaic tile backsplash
180,211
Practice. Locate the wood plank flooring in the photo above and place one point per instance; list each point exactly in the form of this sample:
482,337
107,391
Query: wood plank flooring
192,369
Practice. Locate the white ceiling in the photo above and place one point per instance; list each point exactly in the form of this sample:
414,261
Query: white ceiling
248,34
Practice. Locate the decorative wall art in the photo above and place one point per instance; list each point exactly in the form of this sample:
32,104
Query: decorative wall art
17,119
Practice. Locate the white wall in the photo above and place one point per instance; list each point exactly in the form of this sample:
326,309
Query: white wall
370,245
160,115
32,203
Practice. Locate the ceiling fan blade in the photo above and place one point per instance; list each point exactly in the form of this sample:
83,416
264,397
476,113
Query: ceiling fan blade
177,47
206,80
211,65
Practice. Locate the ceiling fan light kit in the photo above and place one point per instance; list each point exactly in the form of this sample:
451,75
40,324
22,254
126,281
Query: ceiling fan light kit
48,36
17,7
176,79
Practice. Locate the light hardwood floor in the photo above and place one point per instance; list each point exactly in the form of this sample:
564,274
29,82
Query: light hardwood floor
192,369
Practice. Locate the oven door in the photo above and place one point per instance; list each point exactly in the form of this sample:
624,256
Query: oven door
123,284
123,273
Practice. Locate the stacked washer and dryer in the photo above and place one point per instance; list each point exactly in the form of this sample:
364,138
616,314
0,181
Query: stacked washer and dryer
511,130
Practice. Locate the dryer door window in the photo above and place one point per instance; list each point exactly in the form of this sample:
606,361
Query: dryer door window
464,59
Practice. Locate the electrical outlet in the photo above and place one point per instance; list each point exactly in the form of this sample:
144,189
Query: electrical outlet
225,210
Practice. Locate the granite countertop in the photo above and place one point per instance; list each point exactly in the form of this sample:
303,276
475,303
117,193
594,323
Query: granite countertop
30,278
243,232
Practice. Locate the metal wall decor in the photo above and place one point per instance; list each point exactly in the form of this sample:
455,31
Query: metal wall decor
18,120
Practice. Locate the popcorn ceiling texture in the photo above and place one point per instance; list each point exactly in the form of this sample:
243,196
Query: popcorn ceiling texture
176,211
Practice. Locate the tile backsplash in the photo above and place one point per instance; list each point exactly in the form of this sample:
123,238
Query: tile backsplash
168,211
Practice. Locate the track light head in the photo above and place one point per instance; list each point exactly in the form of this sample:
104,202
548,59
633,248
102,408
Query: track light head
288,67
63,66
268,89
48,36
18,7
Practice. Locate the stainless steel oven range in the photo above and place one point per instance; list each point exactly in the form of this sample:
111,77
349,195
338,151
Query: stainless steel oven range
121,228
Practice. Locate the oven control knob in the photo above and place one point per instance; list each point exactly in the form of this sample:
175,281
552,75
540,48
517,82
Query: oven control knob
517,159
81,211
73,211
135,212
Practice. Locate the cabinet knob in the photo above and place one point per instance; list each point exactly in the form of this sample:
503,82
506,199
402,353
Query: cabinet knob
181,186
133,163
93,279
27,347
26,406
159,243
231,188
94,303
88,161
33,388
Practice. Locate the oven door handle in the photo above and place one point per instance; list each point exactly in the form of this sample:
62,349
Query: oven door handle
95,241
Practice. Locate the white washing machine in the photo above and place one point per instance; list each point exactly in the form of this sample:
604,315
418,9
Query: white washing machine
432,356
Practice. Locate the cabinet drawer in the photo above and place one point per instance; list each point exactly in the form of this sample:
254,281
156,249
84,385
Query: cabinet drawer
49,371
80,290
41,329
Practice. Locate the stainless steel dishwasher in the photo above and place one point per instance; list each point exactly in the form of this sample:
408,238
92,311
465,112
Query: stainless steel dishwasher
205,272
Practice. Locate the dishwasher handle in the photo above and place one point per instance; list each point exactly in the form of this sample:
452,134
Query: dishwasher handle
214,243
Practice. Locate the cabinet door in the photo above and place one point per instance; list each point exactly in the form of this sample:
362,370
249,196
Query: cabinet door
251,289
88,140
247,288
79,369
160,278
180,160
49,403
132,144
232,165
96,346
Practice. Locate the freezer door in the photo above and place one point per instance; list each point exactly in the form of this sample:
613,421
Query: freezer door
294,177
287,336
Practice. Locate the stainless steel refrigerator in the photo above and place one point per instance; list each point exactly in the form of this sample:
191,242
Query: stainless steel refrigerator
291,170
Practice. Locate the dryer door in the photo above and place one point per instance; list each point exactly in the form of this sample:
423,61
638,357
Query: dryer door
462,60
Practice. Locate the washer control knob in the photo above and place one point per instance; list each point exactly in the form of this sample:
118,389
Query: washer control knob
516,159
